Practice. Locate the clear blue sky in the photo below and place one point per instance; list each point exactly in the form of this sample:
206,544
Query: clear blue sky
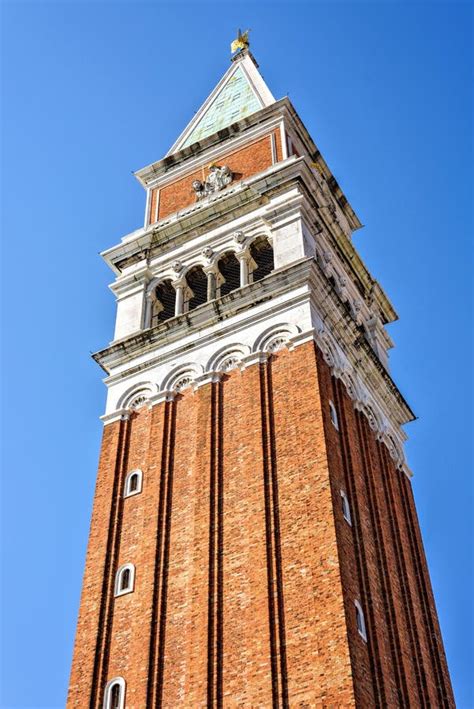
92,91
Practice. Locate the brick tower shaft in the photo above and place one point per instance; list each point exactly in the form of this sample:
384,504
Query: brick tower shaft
254,540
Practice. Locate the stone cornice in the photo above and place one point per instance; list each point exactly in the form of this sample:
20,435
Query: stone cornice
222,138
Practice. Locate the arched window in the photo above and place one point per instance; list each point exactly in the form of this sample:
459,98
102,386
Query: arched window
197,282
346,510
262,253
333,414
164,303
360,620
133,483
114,695
229,268
124,579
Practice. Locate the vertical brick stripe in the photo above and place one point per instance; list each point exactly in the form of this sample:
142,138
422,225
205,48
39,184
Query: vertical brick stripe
113,544
362,566
152,659
211,622
158,612
273,543
216,543
165,555
82,671
407,605
276,524
220,551
386,587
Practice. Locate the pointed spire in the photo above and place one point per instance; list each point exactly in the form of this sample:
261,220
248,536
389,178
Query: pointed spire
241,92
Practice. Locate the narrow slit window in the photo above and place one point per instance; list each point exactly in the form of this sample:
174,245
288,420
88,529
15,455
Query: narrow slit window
114,695
333,413
346,510
360,619
133,483
124,580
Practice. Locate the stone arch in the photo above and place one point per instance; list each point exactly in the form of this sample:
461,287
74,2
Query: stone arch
136,396
261,252
227,358
331,354
181,377
354,389
229,269
160,306
275,337
395,449
196,280
374,417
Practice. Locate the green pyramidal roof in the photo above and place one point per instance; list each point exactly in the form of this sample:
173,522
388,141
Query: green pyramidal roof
234,101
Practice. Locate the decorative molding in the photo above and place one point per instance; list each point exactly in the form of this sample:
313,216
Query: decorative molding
241,356
362,401
137,396
181,377
207,378
160,398
274,335
118,415
207,253
228,357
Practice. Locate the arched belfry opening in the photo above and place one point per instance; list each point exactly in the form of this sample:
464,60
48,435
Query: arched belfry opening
229,268
197,282
164,303
262,254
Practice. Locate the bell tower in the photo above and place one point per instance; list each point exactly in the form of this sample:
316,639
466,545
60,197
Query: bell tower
254,540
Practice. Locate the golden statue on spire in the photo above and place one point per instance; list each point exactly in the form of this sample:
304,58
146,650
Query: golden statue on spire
242,42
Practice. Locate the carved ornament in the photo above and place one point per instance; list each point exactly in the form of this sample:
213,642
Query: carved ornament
218,178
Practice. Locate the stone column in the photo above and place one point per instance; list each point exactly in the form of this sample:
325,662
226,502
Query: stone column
179,287
211,285
244,257
211,273
148,310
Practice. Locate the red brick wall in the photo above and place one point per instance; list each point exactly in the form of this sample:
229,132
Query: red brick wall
97,571
382,564
246,571
246,161
152,208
